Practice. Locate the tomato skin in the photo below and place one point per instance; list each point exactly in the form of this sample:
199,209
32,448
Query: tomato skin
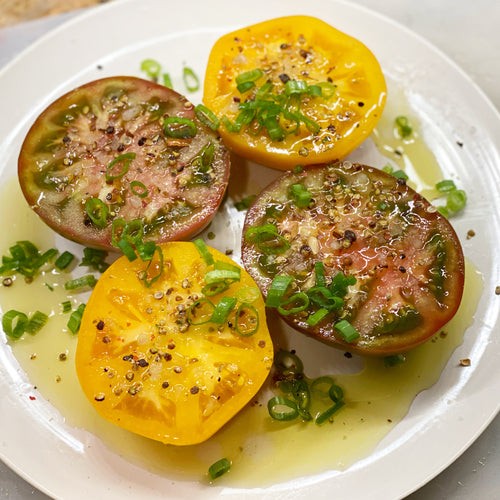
298,48
144,367
406,257
65,158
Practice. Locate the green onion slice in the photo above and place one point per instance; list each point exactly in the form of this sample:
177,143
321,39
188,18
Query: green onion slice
139,189
300,196
222,310
445,186
64,260
456,200
167,81
404,127
298,302
207,117
119,166
200,312
95,259
66,306
283,409
320,386
215,288
97,212
277,290
219,468
327,414
88,280
190,78
154,269
178,127
249,76
204,251
151,67
246,320
288,363
347,331
36,322
14,323
317,316
75,319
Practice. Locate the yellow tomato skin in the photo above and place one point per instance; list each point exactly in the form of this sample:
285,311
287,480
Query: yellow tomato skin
144,367
302,48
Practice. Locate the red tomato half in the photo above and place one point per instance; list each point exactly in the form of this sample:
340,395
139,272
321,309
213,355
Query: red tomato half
358,247
123,148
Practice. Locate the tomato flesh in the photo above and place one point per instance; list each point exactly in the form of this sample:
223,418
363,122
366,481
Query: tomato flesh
403,258
306,51
105,142
148,365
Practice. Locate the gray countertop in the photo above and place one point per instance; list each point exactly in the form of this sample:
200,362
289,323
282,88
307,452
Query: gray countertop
468,33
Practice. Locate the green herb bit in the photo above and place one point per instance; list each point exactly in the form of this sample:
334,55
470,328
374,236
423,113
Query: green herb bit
119,166
86,281
204,251
394,360
245,202
26,259
75,319
404,128
14,323
95,259
246,320
66,306
219,468
282,409
36,322
278,289
152,68
207,116
139,189
167,81
200,312
347,331
190,78
300,196
64,260
179,127
222,310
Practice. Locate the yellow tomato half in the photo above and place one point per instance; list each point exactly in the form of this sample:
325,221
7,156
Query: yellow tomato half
154,360
329,86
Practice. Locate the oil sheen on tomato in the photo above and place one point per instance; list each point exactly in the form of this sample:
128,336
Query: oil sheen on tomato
377,397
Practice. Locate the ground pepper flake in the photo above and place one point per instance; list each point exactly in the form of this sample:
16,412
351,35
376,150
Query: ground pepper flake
465,362
497,290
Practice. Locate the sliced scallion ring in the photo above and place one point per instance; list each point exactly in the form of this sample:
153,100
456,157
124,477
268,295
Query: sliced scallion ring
219,468
222,310
97,211
246,320
14,323
200,312
283,409
178,127
296,303
119,166
190,78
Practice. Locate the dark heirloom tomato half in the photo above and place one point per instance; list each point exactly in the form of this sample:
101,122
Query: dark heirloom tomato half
359,245
123,148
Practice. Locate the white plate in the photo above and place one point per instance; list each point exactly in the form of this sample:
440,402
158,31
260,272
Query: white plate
445,419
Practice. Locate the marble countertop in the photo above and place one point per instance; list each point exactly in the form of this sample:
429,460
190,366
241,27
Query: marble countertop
468,33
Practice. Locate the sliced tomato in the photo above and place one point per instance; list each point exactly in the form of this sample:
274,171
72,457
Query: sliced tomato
174,362
123,148
293,90
359,247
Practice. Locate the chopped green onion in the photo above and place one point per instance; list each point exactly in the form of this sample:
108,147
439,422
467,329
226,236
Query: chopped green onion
248,294
400,174
244,203
88,280
97,212
300,195
190,78
319,273
249,76
64,260
14,323
456,200
315,90
274,129
146,250
336,393
167,81
207,116
127,249
151,67
95,259
224,275
324,298
139,189
403,126
394,359
123,162
219,468
298,302
36,322
347,331
445,186
245,87
66,306
267,239
277,290
340,283
317,316
178,127
327,414
321,386
288,363
296,87
25,259
328,89
75,319
246,320
200,312
222,310
283,409
204,251
154,269
215,288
